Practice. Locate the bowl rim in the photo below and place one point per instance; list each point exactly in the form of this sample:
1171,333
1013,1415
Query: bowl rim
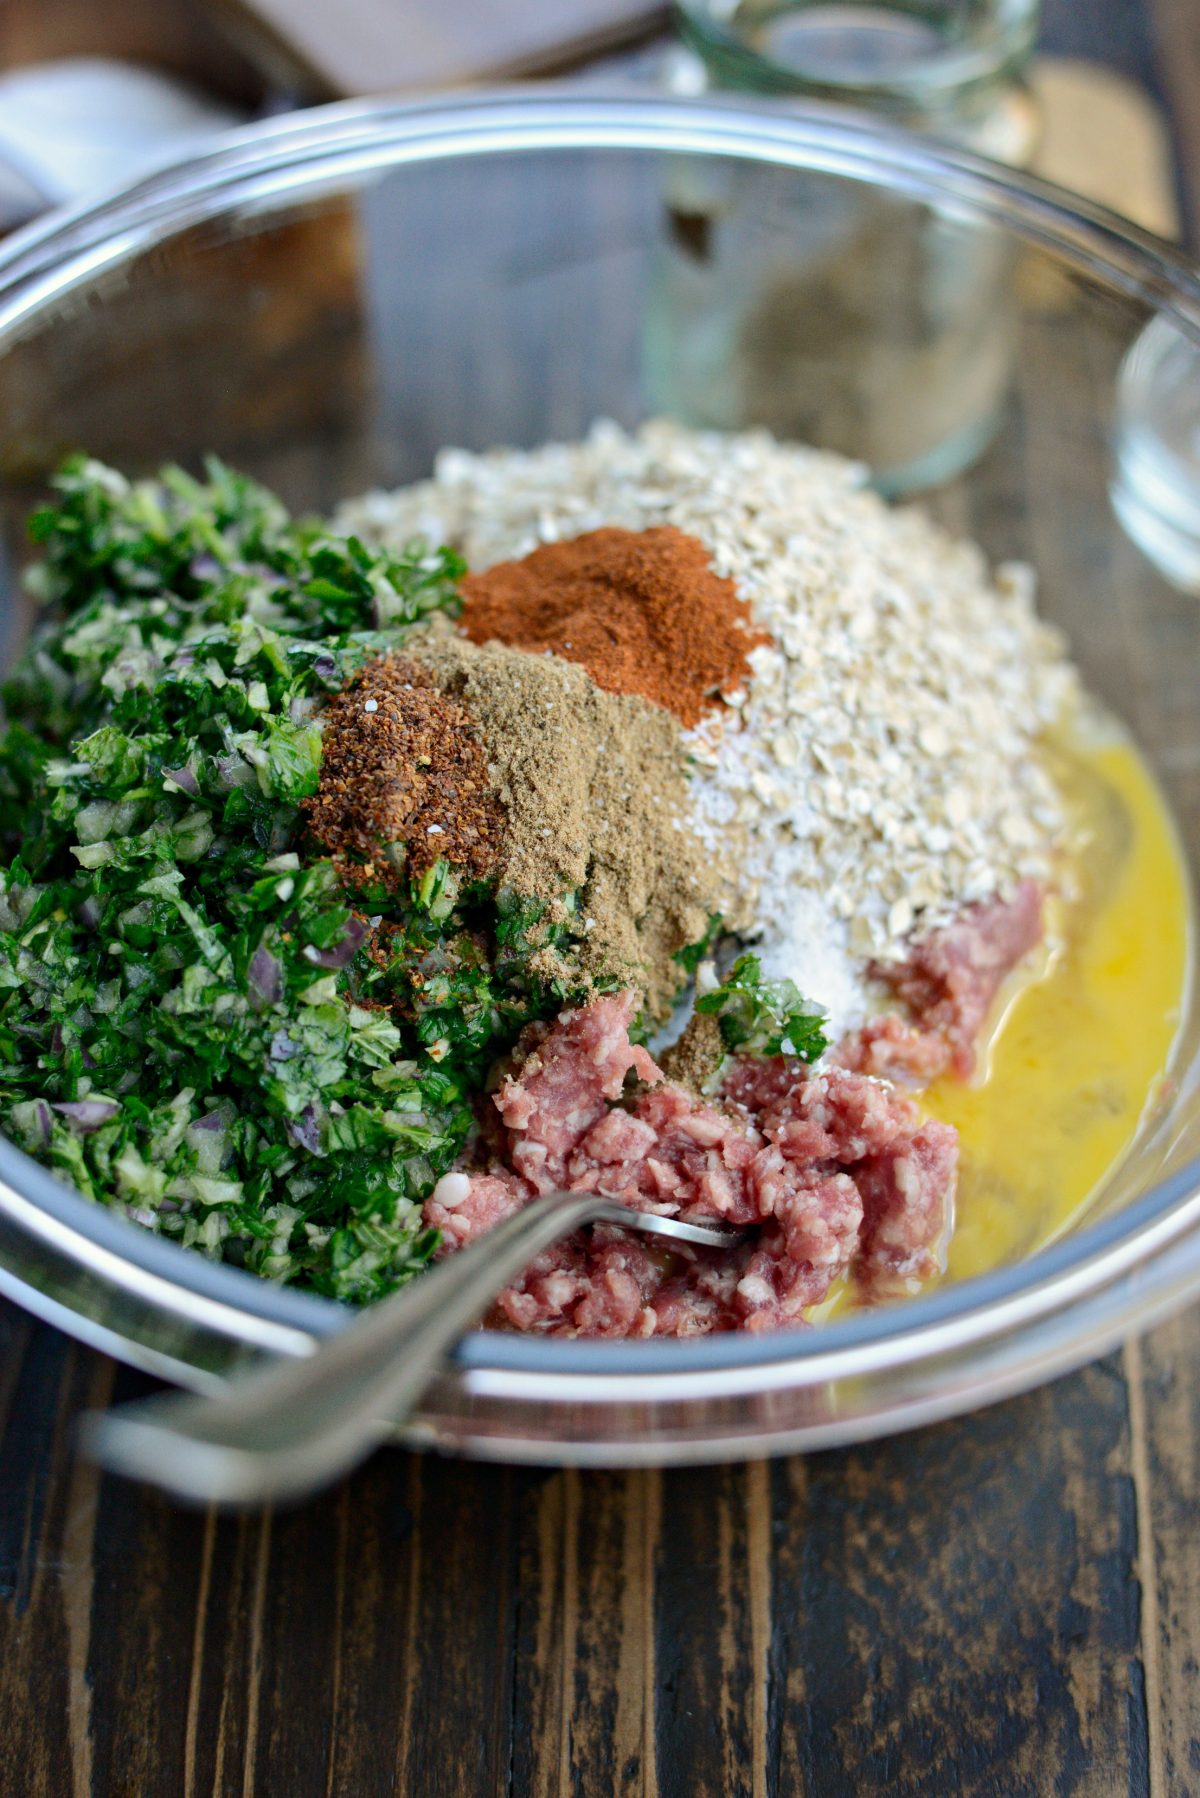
321,151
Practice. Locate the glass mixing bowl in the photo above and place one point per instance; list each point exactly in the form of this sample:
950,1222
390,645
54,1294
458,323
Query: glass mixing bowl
326,301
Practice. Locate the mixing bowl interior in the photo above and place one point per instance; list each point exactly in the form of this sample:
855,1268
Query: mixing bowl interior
327,305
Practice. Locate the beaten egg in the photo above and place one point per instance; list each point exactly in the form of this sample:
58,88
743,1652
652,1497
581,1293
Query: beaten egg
1079,1048
1080,1045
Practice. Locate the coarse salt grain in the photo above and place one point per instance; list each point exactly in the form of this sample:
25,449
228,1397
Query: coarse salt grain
452,1190
879,774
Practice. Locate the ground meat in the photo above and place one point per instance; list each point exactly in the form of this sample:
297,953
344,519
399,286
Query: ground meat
464,1206
562,1084
947,986
593,1285
675,1154
906,1220
890,1048
832,1170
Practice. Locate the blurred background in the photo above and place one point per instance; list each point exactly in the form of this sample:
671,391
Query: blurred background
1088,93
825,315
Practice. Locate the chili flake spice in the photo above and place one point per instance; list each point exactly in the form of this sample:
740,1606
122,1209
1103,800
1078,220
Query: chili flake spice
404,779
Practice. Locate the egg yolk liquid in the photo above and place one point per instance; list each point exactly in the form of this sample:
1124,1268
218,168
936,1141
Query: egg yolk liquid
1078,1054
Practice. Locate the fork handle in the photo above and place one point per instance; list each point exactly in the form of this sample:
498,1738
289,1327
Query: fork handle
284,1430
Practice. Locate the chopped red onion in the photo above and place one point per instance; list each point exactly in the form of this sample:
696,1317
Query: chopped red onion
232,771
305,1130
184,778
88,1114
342,953
265,976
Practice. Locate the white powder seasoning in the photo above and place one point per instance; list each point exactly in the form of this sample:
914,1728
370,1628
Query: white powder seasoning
880,772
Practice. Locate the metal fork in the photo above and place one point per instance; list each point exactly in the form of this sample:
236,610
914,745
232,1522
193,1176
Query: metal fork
283,1431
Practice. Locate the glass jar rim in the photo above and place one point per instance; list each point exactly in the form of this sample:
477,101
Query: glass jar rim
959,72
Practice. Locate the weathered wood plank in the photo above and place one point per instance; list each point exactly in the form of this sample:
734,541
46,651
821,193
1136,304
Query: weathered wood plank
458,1676
381,1640
221,1702
712,1624
46,1522
144,1587
1166,1415
585,1676
546,1581
958,1603
955,1610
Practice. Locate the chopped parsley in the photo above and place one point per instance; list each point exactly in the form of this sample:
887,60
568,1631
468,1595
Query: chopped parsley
692,954
764,1017
198,1023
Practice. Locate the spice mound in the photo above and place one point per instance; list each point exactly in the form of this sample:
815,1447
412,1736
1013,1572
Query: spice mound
594,793
642,611
404,779
881,772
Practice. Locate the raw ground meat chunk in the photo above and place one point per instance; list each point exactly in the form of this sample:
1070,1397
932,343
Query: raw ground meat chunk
590,1286
906,1223
830,1170
947,984
464,1206
563,1083
674,1153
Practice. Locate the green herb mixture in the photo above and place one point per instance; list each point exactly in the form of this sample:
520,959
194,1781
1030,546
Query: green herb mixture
764,1017
199,1024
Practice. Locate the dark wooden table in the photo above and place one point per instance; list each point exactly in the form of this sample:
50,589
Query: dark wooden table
1009,1604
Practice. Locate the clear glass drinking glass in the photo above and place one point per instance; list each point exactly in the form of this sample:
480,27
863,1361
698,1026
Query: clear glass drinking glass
1156,483
327,302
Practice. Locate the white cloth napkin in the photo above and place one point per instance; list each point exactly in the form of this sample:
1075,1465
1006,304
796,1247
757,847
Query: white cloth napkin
74,128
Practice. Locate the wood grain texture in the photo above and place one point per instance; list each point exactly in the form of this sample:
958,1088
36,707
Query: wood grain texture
1166,1417
966,1616
958,1610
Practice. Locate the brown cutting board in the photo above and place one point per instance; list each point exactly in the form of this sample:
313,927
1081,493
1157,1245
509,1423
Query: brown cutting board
348,47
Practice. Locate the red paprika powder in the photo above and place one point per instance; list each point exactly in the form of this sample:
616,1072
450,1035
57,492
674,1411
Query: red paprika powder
643,611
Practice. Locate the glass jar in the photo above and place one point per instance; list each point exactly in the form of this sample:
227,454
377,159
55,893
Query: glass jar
952,68
873,325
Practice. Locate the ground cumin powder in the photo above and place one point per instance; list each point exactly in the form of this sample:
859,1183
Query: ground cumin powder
642,611
697,1057
595,799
